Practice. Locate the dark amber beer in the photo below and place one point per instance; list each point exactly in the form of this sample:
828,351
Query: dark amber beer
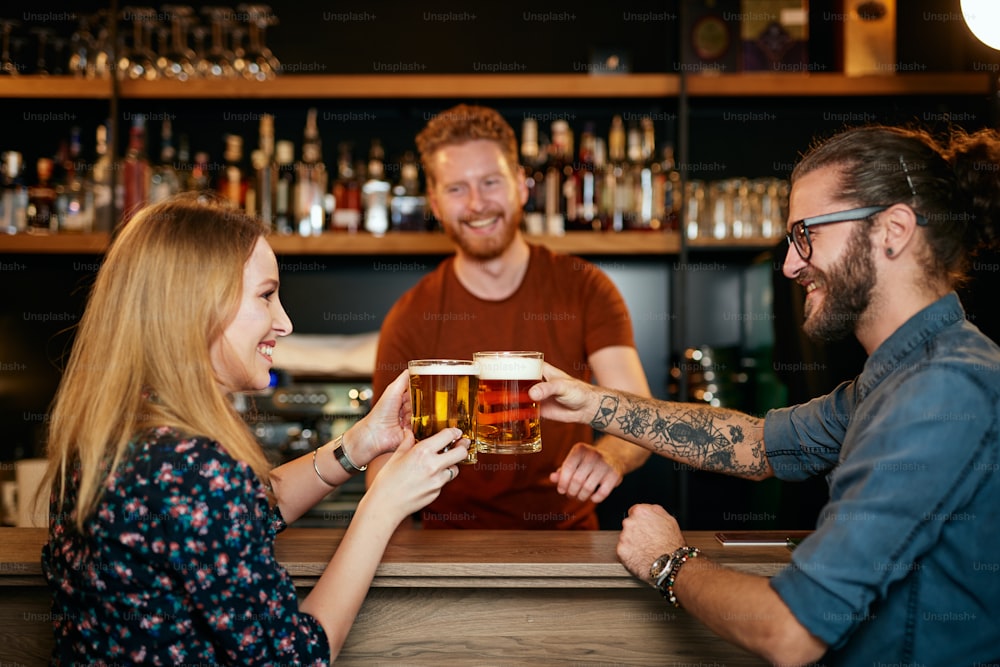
443,394
507,420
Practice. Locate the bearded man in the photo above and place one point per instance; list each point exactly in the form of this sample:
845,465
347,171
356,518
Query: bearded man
498,292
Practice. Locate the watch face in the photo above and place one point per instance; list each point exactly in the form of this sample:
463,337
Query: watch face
660,565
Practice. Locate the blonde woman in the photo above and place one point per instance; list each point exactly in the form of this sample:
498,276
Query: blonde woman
164,509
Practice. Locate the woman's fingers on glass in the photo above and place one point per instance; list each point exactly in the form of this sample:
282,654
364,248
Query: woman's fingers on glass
444,439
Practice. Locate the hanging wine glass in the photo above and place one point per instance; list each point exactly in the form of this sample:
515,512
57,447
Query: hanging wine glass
101,61
269,20
58,60
236,34
162,44
179,59
43,35
218,60
261,64
81,46
139,61
199,34
7,66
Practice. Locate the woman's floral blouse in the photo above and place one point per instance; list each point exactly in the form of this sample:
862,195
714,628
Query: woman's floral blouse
176,566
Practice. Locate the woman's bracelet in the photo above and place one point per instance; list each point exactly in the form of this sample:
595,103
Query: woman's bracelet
318,473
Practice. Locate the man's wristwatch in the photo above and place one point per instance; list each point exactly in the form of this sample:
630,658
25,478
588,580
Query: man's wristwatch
341,455
664,571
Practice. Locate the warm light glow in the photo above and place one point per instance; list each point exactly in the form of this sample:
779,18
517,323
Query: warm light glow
983,19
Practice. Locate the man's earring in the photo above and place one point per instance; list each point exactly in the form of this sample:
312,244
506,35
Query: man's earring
888,252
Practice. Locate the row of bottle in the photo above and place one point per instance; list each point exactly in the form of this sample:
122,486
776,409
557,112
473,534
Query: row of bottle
72,195
65,195
614,185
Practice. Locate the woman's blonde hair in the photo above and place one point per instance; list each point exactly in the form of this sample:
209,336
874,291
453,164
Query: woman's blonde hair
168,287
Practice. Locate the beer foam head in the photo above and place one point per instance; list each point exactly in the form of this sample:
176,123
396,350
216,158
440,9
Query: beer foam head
501,366
442,367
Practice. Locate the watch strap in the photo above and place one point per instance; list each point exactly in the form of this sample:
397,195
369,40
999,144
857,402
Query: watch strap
340,454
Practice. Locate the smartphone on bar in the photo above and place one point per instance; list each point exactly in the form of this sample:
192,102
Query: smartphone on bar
762,538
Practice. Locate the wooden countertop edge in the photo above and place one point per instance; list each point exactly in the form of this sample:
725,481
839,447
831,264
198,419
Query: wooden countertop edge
450,559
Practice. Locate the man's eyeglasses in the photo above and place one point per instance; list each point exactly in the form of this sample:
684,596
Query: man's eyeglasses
799,236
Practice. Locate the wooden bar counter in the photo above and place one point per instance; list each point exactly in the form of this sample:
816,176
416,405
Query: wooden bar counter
461,598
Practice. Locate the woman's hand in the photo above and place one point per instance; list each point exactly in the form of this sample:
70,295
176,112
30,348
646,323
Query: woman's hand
416,472
385,426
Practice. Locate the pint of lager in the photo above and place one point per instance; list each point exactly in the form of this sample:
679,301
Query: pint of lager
443,394
507,420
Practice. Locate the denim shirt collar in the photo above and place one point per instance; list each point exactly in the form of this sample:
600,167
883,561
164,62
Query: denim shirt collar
915,332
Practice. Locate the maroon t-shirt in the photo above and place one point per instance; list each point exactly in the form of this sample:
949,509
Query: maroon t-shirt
566,308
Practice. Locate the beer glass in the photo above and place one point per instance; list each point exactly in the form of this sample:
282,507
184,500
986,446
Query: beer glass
443,394
507,420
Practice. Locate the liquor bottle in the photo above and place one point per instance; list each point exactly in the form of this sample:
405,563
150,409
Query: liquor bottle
560,197
75,196
667,191
135,170
310,181
233,181
284,188
59,161
642,158
375,192
200,179
407,206
532,164
638,183
604,178
409,174
41,212
696,210
164,180
182,166
583,213
346,192
618,174
103,184
265,171
14,194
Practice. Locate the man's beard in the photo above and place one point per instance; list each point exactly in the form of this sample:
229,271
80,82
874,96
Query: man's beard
477,248
847,291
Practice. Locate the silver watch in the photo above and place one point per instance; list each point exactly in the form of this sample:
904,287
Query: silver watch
660,568
340,454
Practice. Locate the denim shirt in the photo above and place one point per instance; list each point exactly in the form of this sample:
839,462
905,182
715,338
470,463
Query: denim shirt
904,565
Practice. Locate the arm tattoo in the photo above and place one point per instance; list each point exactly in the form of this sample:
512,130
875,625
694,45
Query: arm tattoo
635,421
688,433
608,407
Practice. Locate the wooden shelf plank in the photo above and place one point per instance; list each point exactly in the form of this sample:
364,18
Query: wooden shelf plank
834,84
54,87
54,244
624,243
733,244
414,86
435,243
393,243
355,86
